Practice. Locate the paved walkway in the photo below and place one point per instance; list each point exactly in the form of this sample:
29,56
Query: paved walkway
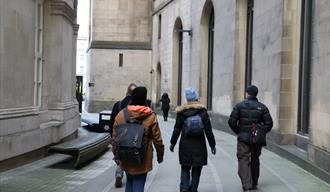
55,173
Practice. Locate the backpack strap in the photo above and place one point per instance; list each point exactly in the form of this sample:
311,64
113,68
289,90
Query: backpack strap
126,115
119,106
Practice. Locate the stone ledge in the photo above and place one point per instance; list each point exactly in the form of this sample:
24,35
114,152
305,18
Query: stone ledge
295,157
161,7
63,9
18,112
120,45
50,124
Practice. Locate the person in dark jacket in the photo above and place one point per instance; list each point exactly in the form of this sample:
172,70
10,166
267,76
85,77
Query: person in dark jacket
192,149
117,107
165,105
251,121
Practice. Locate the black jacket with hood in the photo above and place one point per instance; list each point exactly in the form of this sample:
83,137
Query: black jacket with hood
247,112
192,150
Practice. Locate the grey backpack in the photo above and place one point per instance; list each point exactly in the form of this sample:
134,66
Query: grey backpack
193,126
129,141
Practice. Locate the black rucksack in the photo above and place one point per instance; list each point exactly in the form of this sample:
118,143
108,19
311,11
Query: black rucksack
193,126
129,141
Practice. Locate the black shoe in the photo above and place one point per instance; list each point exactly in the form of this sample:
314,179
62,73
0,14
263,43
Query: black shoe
118,182
245,189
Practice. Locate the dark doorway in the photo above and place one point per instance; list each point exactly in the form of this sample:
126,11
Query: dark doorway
79,91
304,67
180,66
249,43
210,61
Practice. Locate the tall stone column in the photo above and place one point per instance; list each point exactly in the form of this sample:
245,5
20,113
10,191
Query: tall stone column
60,34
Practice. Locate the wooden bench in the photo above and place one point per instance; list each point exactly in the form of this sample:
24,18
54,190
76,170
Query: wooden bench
83,148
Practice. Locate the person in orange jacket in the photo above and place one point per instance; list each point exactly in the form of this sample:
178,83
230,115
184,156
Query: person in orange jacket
139,112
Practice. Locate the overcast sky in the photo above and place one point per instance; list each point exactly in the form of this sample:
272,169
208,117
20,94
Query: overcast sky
83,17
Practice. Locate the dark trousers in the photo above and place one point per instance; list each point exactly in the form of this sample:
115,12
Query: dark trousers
248,163
188,184
165,113
135,183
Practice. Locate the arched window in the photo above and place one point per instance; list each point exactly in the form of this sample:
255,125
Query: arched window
159,82
177,62
249,43
207,44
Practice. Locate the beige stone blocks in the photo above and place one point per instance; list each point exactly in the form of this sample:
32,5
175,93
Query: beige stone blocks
122,20
110,80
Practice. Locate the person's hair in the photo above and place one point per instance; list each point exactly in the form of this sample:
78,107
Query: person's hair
130,89
252,90
165,95
139,96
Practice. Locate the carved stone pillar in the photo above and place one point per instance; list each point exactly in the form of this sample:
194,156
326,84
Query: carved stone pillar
60,34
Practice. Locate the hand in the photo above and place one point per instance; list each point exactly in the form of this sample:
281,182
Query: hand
213,150
172,148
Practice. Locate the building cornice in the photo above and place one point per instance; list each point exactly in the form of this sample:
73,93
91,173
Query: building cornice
120,45
63,9
18,112
161,6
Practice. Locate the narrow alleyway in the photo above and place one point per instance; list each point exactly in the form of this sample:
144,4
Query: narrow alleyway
54,174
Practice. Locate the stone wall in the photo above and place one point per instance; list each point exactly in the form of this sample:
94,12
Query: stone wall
267,44
275,64
27,125
110,81
118,27
320,78
190,13
119,20
16,61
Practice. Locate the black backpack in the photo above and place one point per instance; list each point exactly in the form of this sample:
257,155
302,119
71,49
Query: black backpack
193,126
129,141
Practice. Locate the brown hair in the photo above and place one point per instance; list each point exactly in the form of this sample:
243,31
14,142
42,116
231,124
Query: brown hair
130,88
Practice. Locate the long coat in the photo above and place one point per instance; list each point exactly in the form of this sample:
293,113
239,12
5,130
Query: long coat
192,150
152,134
165,102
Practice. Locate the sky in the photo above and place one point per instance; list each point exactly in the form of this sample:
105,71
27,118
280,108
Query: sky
83,17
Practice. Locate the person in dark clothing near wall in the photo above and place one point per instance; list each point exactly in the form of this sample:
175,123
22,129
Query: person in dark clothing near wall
117,107
192,147
165,105
251,121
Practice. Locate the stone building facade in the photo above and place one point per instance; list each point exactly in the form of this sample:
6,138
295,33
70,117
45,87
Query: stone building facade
119,51
221,46
37,77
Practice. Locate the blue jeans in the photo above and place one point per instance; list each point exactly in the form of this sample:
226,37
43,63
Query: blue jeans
135,183
187,184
